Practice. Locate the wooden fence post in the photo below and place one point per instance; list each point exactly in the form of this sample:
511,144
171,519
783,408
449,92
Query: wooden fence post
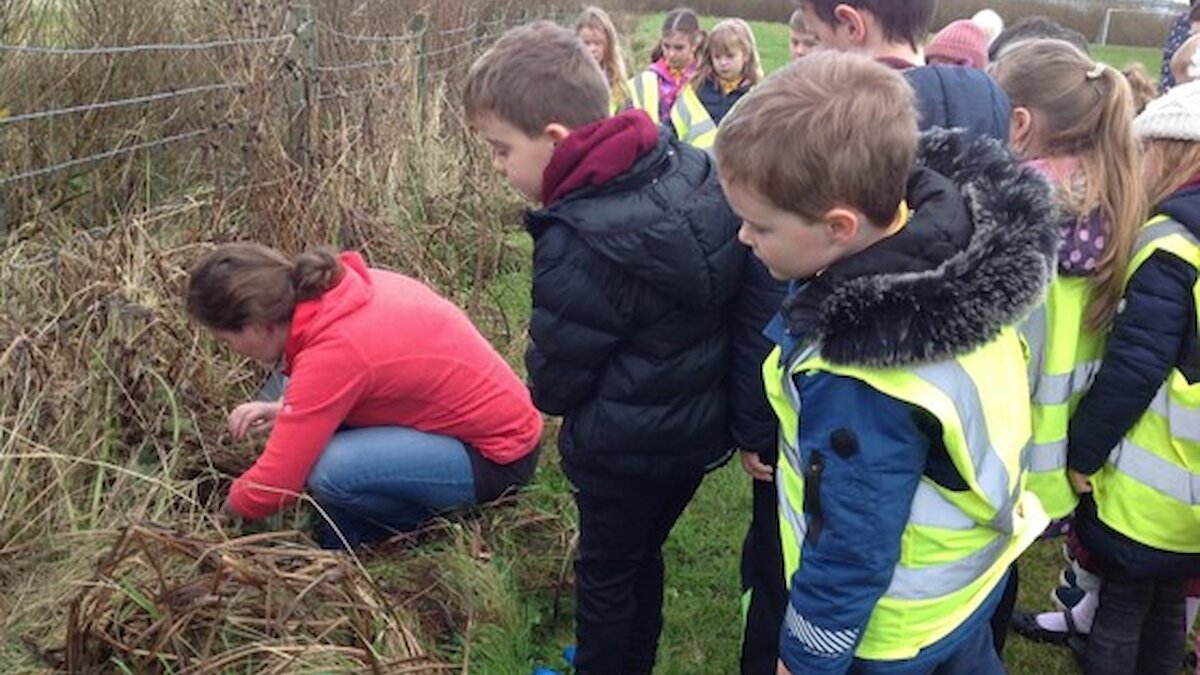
419,26
305,87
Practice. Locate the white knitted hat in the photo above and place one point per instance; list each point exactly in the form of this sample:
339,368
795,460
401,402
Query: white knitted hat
1173,116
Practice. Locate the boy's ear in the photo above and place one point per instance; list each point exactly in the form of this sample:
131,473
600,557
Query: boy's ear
557,132
853,20
842,225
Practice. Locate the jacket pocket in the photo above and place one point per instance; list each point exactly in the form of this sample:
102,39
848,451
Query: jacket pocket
813,471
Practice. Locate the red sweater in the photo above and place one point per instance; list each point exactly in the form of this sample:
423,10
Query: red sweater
381,349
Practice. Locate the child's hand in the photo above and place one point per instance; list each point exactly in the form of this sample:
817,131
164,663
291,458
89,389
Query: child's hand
781,669
1080,483
754,466
255,416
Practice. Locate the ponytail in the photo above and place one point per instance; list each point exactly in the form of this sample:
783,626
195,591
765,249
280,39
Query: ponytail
1111,166
243,284
1086,111
315,272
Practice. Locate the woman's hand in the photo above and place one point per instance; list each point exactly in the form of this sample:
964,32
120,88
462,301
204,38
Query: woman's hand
1080,483
253,417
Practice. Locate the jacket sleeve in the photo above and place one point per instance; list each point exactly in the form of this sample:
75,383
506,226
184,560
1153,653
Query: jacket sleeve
1147,339
753,421
577,320
325,384
866,454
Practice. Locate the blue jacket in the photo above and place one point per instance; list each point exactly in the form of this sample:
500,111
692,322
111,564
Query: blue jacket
634,284
952,97
717,102
975,257
1154,332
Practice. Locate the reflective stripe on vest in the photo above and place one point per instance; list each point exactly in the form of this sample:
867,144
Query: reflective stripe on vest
956,546
1149,489
643,89
1064,357
693,124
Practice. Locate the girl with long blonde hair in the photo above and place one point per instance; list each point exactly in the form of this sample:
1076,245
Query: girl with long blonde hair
596,29
1072,122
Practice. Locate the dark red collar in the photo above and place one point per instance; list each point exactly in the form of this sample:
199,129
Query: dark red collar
597,153
896,63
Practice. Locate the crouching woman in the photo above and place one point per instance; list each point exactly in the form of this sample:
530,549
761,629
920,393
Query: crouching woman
395,409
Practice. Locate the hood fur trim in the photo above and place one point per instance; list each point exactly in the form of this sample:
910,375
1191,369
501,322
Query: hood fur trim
901,319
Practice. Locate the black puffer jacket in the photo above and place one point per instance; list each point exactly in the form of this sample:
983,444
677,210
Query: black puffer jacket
630,335
956,97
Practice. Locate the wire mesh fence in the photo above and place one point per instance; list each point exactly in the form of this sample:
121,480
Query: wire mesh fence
87,116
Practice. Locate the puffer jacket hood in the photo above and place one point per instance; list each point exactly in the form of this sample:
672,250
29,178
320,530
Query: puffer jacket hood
657,240
976,256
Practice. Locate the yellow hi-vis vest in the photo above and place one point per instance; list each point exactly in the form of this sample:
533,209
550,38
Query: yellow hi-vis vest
693,124
1064,358
956,546
643,88
1149,490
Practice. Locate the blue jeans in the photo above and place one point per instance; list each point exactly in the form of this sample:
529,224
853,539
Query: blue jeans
373,482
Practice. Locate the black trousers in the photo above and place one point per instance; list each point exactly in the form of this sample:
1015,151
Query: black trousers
762,580
1004,611
1139,628
619,576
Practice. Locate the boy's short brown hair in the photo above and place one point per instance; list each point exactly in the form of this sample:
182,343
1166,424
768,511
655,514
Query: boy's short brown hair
901,20
796,22
535,75
833,129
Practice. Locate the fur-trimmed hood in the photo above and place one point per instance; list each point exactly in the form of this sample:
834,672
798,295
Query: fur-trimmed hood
977,254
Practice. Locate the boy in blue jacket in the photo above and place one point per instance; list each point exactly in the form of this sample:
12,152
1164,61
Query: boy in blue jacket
898,378
636,276
892,32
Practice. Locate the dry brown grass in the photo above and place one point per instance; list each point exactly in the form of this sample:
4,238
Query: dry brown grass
111,404
168,601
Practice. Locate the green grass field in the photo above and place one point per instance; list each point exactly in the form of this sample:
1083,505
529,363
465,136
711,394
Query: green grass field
774,49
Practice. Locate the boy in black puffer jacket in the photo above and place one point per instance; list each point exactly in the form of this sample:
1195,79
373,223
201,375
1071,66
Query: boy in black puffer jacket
636,270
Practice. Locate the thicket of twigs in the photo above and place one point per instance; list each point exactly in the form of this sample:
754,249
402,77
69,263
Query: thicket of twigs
144,132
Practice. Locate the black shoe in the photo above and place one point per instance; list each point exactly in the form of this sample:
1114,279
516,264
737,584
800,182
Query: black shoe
1026,625
1066,597
1067,578
1078,646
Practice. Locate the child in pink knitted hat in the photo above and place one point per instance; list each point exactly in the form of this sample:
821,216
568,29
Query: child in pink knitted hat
960,43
